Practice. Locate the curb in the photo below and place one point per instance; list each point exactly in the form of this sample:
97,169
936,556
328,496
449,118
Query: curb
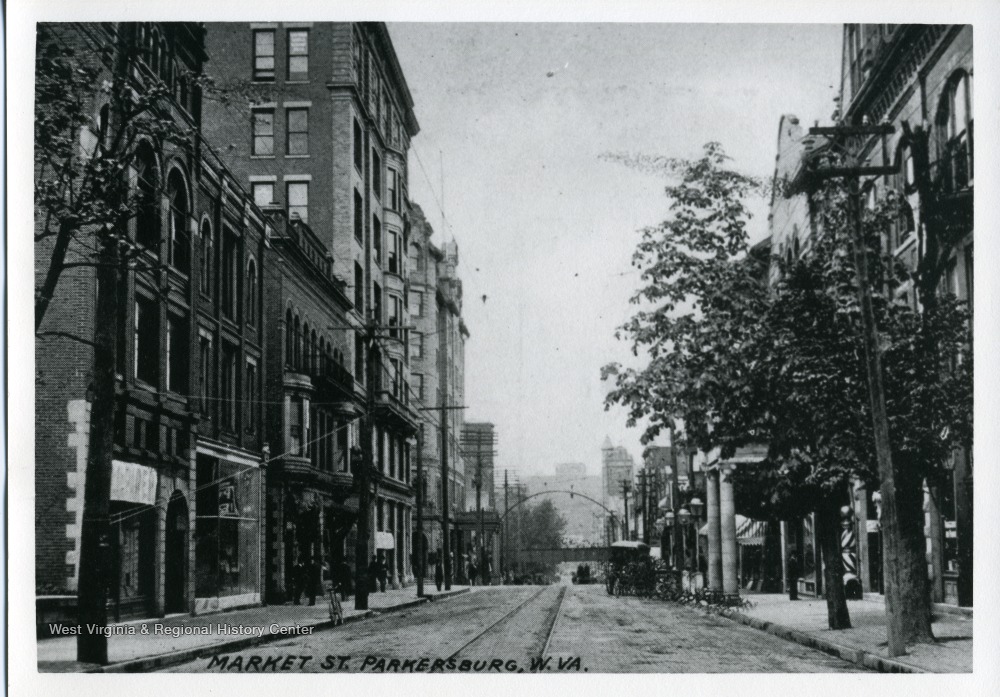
151,663
852,655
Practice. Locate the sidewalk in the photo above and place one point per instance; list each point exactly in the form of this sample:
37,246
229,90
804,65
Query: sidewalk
804,621
178,638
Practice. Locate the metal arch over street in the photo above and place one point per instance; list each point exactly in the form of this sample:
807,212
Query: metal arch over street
614,516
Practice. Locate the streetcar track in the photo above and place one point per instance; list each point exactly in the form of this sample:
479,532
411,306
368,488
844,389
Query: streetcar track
555,618
502,619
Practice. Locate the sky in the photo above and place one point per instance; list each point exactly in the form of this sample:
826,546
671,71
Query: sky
516,117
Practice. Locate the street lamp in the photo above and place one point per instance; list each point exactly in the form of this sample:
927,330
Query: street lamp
683,520
668,522
696,508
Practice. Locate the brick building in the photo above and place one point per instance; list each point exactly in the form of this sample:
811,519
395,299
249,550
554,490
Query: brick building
312,404
437,358
918,77
186,477
326,137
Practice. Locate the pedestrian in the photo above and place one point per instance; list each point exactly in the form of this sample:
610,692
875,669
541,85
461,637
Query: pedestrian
373,574
312,570
473,572
487,570
344,579
381,572
296,581
793,576
438,573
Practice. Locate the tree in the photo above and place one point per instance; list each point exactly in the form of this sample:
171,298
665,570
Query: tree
737,364
91,180
542,526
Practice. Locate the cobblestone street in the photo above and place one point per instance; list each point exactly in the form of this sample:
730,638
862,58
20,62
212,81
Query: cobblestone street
525,628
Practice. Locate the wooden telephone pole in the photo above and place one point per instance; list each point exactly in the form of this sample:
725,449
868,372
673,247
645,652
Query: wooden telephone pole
854,138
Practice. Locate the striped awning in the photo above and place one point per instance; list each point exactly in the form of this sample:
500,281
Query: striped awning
750,532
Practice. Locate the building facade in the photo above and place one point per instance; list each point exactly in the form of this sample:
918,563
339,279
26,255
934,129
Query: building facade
326,138
187,464
918,79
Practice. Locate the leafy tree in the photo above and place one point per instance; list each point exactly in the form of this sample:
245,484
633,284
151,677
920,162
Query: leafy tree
542,526
737,364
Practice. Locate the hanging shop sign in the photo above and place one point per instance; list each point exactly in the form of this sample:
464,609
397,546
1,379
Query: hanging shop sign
133,483
384,540
228,507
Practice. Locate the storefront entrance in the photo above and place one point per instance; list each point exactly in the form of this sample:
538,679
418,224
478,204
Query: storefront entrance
176,555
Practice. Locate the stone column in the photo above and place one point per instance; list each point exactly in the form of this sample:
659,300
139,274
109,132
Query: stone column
714,529
727,520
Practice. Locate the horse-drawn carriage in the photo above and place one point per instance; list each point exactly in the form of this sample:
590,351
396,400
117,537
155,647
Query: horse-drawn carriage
629,568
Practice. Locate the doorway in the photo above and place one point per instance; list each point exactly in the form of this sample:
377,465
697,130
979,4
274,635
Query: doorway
176,555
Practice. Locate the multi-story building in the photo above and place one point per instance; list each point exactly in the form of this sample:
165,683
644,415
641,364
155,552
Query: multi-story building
186,470
312,404
437,357
918,79
479,443
326,138
617,467
908,76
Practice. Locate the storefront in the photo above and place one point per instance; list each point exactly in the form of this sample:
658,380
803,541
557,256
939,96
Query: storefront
227,532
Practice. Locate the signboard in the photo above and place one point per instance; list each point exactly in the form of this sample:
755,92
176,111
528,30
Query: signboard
384,540
133,483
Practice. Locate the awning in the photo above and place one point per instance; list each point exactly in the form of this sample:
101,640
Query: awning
751,532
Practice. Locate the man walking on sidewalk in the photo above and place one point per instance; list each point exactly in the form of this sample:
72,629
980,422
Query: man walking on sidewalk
438,572
793,576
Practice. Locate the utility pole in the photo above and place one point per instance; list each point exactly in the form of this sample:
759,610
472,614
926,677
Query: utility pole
94,562
445,479
420,551
479,503
364,471
506,538
855,135
625,490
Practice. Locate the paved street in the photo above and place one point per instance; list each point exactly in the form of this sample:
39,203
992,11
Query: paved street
523,628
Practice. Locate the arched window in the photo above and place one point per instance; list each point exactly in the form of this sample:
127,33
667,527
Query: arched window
147,213
251,302
289,338
206,258
321,368
298,345
305,347
313,353
955,127
180,241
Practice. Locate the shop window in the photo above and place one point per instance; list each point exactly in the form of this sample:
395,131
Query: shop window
227,534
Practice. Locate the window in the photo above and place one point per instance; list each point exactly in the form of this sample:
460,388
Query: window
205,372
289,339
251,301
395,315
377,175
395,253
420,388
392,177
263,193
147,219
955,121
206,258
359,286
377,239
359,150
229,274
297,140
263,55
298,54
147,341
177,354
180,242
250,396
296,427
417,345
377,301
359,356
298,200
359,221
416,303
228,384
263,132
